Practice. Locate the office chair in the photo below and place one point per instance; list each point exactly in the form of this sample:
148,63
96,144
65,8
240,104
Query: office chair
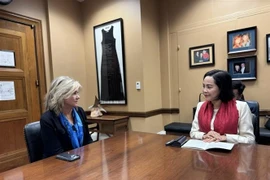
94,127
179,128
33,141
255,109
262,134
265,133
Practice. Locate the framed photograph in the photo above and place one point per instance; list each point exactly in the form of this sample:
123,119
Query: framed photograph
242,40
110,62
268,48
202,55
243,68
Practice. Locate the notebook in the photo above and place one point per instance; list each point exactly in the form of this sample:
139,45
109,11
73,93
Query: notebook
199,144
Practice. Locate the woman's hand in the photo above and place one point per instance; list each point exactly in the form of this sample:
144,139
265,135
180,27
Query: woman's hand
222,138
213,136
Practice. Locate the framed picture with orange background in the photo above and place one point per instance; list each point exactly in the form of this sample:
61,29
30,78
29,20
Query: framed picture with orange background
242,40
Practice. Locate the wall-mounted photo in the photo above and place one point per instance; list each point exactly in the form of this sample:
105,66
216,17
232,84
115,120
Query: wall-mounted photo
243,68
242,40
110,62
268,48
202,56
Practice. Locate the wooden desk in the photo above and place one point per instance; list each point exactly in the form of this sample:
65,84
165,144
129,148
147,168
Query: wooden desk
110,124
135,155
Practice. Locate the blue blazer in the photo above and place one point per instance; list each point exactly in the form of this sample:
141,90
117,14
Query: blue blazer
55,137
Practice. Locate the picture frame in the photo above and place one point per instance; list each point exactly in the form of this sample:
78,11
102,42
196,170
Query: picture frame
236,70
202,55
268,48
110,62
242,40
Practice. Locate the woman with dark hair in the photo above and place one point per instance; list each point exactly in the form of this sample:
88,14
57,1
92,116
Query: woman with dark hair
238,89
220,117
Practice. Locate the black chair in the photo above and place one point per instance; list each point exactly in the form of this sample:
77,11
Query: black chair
33,141
264,136
255,110
265,133
178,128
94,127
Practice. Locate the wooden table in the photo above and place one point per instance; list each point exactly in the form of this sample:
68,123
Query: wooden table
109,124
135,155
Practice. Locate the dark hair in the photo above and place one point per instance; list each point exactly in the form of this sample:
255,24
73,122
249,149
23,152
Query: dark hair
240,88
224,82
236,84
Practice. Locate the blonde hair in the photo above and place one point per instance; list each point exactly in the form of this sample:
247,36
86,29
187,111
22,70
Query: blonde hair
61,88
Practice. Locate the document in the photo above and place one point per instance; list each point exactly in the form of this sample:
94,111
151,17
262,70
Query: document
7,58
7,91
199,144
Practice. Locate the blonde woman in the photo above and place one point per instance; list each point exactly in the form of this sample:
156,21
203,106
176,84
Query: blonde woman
63,125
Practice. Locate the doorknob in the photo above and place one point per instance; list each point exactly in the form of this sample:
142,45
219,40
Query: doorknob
37,83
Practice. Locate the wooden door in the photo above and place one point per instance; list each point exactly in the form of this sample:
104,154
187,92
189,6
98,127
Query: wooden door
22,85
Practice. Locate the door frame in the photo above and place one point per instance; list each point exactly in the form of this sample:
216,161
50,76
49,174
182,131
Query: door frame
36,25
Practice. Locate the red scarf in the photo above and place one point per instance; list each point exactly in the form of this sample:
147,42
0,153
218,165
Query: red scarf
226,121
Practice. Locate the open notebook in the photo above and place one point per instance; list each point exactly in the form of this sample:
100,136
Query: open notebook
199,144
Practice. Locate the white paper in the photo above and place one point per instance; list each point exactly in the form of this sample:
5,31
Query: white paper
7,58
199,144
7,90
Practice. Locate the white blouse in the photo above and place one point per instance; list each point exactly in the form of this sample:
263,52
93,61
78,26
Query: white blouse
245,127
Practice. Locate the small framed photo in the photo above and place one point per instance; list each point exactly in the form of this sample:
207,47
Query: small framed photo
110,62
268,48
202,56
242,40
243,68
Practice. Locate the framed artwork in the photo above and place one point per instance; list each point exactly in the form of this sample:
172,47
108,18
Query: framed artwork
202,55
243,68
268,48
110,62
242,40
